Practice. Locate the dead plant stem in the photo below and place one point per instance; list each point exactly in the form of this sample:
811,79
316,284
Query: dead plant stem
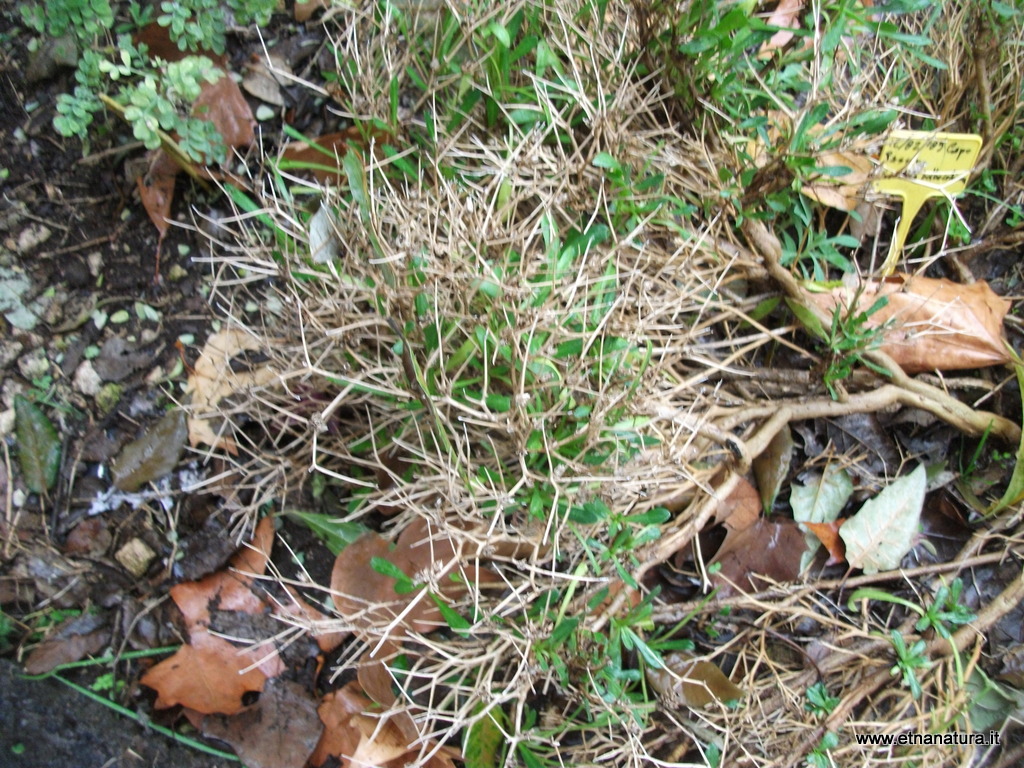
678,611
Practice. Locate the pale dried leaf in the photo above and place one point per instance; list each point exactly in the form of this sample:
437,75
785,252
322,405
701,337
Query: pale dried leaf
213,379
883,530
845,192
935,323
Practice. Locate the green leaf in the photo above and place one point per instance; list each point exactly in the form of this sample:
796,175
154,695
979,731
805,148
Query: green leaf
1015,490
403,584
807,319
38,445
452,618
632,640
883,531
605,160
336,534
484,746
592,512
500,33
991,705
655,516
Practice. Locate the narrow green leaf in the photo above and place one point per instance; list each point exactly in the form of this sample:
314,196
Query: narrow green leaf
403,584
807,318
484,746
336,534
38,445
1015,490
452,618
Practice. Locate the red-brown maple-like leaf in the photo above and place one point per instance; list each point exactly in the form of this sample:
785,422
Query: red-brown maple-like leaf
208,674
231,589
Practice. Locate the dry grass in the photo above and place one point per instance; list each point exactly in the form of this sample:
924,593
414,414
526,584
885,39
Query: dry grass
420,375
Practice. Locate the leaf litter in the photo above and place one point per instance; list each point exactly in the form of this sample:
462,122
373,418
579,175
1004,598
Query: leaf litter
748,530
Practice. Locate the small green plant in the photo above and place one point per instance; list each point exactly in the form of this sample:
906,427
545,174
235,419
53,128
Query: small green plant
946,612
819,757
909,659
820,702
7,629
846,339
154,96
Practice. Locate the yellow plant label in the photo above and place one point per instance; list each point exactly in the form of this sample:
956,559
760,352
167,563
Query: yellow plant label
918,165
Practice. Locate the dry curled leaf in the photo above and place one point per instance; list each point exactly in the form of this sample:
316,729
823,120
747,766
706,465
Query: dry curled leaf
691,682
214,379
844,191
278,731
929,323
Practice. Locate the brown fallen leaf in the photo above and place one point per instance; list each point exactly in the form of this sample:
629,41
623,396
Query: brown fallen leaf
321,157
230,589
157,39
74,639
222,103
279,731
326,640
208,674
765,548
936,324
786,17
692,682
156,190
367,598
828,535
741,508
845,192
304,9
339,737
261,81
376,681
152,455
